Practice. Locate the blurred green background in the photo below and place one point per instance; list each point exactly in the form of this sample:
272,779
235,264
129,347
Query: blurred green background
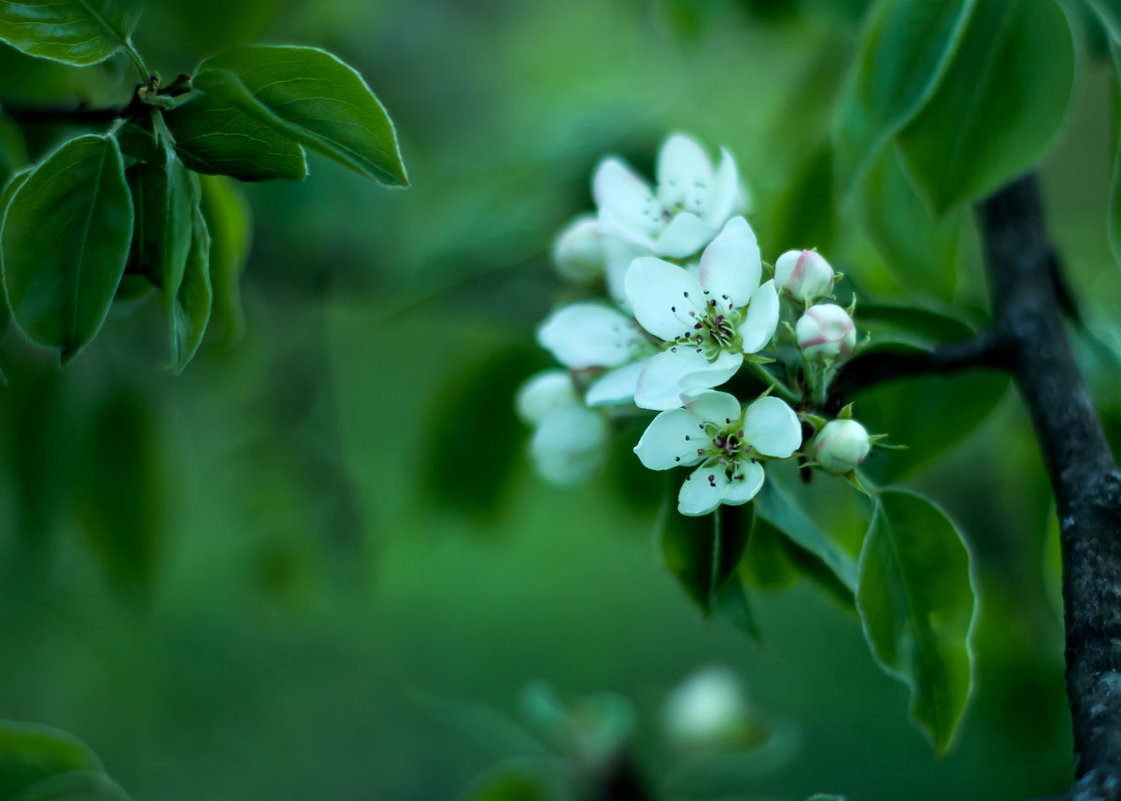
308,566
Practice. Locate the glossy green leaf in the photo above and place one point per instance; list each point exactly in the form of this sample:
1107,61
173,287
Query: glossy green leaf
190,300
14,183
13,150
778,507
164,195
79,32
904,52
31,753
73,786
999,105
313,97
917,606
921,252
773,561
65,242
228,218
702,552
215,137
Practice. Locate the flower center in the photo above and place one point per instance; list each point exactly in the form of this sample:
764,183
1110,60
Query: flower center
714,330
728,445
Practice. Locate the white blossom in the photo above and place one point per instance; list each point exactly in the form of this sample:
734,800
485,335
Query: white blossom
569,441
724,441
690,204
708,322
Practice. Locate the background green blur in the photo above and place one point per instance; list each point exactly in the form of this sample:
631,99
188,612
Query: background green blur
318,565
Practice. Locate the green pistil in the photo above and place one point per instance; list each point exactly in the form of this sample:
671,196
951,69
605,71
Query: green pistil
715,331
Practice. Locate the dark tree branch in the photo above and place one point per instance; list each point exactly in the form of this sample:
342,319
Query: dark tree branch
1083,473
986,350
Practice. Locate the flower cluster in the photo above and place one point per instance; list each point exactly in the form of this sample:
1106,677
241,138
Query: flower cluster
689,305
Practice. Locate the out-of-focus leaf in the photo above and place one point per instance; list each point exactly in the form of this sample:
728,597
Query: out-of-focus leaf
951,407
313,97
1109,12
776,505
731,604
904,51
215,137
229,220
189,306
31,753
999,105
122,499
474,442
65,242
509,784
13,150
917,605
78,32
14,183
920,322
703,552
74,786
804,216
921,252
1114,221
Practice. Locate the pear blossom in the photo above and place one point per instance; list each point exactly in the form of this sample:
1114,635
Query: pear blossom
693,199
710,711
578,250
725,441
708,322
805,274
825,331
593,335
570,441
841,446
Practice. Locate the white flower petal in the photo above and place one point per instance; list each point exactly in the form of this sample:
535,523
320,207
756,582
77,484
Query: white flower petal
584,335
745,484
685,235
569,445
626,199
702,491
724,195
731,265
716,407
673,438
761,320
771,427
665,299
578,253
618,255
544,393
615,386
681,370
684,175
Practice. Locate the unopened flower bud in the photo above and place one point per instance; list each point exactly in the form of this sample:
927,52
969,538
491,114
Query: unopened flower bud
578,251
805,274
543,393
825,331
841,446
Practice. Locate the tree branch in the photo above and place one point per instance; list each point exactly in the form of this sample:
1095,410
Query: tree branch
1083,474
986,350
56,115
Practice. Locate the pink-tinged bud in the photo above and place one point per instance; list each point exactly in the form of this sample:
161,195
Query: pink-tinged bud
578,251
841,446
805,274
825,331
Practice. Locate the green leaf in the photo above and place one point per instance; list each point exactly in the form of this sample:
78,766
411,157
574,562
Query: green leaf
1109,11
904,52
65,242
228,218
78,32
509,784
1114,221
731,604
215,137
999,106
190,300
13,150
31,753
921,252
773,561
917,606
74,786
14,183
313,97
777,506
920,322
702,552
164,195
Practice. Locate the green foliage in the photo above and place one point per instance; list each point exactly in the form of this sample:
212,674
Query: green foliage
78,32
227,215
42,764
510,784
60,296
703,552
905,49
312,97
917,605
996,109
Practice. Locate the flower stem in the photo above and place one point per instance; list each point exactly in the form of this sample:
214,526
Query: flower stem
785,392
717,544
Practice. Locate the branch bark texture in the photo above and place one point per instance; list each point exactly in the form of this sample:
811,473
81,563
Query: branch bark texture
1082,470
